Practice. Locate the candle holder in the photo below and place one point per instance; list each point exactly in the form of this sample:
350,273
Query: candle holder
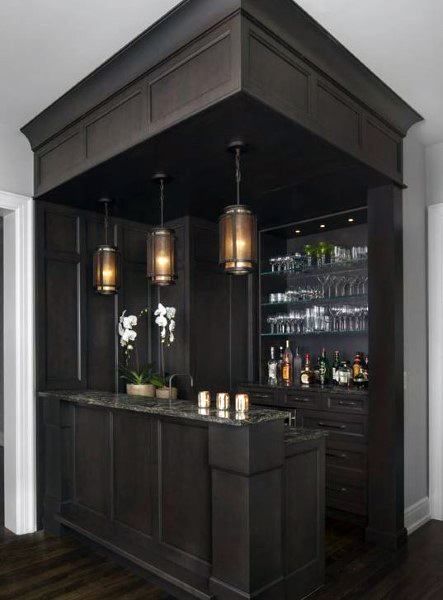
223,401
204,399
241,403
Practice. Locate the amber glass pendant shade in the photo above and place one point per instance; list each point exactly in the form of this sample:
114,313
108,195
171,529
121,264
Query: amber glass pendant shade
238,229
161,257
107,270
161,245
106,263
238,240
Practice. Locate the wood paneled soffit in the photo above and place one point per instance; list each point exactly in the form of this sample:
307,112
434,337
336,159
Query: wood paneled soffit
204,52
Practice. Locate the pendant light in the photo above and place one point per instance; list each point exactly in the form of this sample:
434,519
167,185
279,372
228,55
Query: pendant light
106,263
238,229
161,245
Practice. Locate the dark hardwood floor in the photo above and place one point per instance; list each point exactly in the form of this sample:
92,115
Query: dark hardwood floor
42,567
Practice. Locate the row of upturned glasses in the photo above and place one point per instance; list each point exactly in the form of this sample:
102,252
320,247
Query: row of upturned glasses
327,286
335,255
320,319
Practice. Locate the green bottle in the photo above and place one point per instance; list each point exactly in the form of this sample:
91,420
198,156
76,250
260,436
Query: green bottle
323,365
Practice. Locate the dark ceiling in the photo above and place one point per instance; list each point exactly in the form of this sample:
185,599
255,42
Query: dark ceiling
288,173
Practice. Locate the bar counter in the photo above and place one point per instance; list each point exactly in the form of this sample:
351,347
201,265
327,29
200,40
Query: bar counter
206,506
178,409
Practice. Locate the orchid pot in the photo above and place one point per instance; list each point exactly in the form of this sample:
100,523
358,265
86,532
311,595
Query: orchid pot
166,393
145,389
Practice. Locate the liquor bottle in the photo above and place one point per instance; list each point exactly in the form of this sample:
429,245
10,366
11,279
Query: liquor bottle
323,367
335,367
344,374
356,367
272,369
307,375
280,367
287,366
297,366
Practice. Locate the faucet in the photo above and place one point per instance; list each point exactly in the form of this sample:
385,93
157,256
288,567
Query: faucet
179,375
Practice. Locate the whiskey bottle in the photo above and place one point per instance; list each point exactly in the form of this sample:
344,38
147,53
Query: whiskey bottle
280,367
287,366
297,366
307,375
323,368
272,369
344,374
335,367
356,367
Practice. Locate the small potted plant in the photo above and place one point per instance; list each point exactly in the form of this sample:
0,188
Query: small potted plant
138,382
138,378
165,319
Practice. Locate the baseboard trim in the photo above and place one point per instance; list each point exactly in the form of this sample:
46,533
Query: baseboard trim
417,515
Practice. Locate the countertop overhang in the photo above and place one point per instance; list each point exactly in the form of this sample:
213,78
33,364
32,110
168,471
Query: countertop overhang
179,409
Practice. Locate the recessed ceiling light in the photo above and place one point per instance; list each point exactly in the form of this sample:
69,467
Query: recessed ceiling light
322,226
350,220
297,231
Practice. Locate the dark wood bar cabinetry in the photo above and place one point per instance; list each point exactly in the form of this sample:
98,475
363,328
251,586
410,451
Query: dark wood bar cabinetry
323,162
343,414
208,506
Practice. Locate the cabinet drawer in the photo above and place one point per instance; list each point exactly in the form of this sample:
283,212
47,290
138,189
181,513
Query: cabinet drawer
342,456
300,399
339,427
261,396
348,404
346,496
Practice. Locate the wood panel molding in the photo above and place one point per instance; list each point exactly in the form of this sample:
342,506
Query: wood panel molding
272,51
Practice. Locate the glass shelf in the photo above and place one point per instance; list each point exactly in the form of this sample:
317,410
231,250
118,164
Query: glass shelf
320,301
315,333
344,267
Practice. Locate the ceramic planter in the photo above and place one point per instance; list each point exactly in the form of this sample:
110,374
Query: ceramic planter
140,390
163,393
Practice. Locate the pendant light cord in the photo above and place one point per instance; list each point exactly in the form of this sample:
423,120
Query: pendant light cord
237,173
106,221
162,198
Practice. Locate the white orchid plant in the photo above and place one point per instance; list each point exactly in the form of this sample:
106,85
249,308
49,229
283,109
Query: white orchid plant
165,319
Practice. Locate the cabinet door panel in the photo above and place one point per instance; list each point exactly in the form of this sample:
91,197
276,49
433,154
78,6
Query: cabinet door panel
133,473
92,459
185,484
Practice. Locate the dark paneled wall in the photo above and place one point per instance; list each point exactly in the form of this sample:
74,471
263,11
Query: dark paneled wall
77,328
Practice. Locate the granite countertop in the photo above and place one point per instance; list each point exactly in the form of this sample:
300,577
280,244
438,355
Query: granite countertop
294,435
169,408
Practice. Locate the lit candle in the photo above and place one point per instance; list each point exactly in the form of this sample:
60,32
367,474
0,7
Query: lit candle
223,401
204,399
241,403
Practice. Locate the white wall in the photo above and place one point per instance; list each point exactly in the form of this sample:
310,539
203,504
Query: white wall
415,319
16,176
434,174
16,169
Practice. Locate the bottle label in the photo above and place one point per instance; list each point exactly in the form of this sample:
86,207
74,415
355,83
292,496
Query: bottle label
305,378
286,373
272,373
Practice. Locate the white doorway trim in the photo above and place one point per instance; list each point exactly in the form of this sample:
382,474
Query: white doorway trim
19,363
435,306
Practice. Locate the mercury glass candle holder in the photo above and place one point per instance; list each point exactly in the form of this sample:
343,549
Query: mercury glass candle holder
241,403
222,401
204,399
